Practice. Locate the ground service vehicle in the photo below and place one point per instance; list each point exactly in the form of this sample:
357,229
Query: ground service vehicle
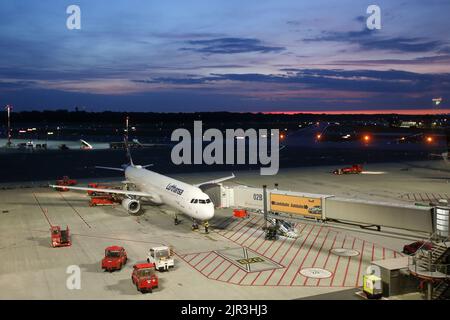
96,186
144,277
354,169
372,287
103,201
60,238
161,257
65,181
115,258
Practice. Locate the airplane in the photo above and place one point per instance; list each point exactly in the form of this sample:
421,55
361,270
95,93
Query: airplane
160,189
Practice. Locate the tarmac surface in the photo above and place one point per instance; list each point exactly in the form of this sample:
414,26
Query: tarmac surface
32,269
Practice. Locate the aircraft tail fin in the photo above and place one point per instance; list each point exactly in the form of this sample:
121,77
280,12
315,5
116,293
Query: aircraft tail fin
127,146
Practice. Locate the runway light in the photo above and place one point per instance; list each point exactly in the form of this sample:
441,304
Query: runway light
318,136
366,138
429,139
281,136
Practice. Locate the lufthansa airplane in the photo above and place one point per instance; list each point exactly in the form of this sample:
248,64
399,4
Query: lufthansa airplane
159,189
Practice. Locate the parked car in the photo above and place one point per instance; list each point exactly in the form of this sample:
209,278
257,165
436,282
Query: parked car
411,248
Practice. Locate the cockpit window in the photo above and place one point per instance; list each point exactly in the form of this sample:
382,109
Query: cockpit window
201,201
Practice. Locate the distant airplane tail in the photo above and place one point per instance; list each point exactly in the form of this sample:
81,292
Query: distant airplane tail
128,153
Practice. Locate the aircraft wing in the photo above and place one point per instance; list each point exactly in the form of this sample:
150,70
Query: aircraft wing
125,192
215,181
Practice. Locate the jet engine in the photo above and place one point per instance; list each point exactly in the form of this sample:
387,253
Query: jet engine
131,205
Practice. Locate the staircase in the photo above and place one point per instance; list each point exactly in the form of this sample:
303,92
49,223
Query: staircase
429,259
440,290
431,264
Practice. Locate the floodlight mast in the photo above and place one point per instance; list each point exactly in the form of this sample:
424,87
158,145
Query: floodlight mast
8,109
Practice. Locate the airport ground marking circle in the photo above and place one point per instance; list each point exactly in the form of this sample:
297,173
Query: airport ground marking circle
343,252
316,273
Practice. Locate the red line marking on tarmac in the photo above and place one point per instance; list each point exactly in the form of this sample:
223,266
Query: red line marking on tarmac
292,260
242,227
337,263
229,279
289,248
348,264
220,263
254,280
237,224
201,260
256,222
373,251
256,240
208,264
395,254
267,249
256,229
192,258
328,256
225,269
307,254
318,254
270,275
276,251
245,276
42,209
264,241
360,263
320,249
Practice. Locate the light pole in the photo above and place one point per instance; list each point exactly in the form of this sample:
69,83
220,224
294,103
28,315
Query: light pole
8,109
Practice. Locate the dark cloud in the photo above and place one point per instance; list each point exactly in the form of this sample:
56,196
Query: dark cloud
389,81
294,22
372,40
11,85
230,46
416,61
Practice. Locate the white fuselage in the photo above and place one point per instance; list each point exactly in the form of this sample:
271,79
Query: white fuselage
184,197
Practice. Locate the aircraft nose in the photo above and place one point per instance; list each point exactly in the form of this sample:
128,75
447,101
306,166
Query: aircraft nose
208,213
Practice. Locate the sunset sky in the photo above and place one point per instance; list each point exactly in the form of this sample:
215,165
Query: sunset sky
246,55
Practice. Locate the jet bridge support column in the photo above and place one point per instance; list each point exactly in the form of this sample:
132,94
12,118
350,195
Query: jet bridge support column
265,205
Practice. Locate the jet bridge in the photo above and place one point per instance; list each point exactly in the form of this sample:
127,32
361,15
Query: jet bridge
293,205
